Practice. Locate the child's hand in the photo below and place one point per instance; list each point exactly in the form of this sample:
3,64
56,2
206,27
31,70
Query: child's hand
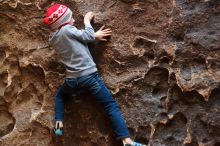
88,17
59,124
101,33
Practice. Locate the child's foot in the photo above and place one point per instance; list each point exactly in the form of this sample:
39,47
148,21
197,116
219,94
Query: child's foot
129,142
135,144
58,132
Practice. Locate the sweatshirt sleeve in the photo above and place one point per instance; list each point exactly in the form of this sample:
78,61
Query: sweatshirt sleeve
86,35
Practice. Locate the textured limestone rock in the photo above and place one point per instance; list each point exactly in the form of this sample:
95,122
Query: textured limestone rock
161,64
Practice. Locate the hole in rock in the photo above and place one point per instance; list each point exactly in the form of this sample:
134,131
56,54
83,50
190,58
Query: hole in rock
6,119
147,44
173,133
192,98
143,134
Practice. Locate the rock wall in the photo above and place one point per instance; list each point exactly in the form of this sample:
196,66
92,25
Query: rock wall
161,65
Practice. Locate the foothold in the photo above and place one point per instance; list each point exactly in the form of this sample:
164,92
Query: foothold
143,42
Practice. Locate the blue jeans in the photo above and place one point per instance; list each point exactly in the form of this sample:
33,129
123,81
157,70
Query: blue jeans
94,85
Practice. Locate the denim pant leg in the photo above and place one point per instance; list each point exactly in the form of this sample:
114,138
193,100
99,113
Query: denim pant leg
59,105
97,88
64,91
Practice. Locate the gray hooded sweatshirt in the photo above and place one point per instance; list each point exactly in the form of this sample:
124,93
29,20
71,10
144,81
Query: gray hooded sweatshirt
72,49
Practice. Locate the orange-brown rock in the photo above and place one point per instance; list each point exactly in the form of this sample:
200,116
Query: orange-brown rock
161,64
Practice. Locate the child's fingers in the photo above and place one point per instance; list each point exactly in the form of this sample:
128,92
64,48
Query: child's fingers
106,30
102,27
107,34
89,13
103,39
92,15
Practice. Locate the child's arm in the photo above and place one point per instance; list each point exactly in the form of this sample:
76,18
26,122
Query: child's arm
101,33
86,35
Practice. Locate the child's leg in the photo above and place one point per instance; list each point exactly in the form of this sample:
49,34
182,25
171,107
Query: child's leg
59,105
64,91
112,108
96,87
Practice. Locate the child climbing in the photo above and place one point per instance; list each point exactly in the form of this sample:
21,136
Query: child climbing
71,45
